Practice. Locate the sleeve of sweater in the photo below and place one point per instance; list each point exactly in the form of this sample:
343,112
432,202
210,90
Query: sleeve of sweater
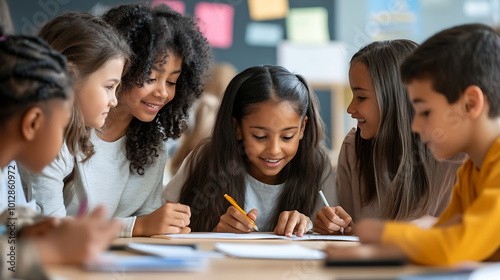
152,202
127,226
172,191
47,187
474,238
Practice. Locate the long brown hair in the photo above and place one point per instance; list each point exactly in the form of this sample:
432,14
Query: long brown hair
219,165
88,43
396,150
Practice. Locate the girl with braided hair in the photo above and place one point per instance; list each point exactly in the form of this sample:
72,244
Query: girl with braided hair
36,100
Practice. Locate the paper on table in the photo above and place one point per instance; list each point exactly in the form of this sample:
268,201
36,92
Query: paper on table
252,236
112,263
326,237
263,251
166,251
222,235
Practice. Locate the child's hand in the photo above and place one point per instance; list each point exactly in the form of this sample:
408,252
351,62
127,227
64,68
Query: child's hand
79,240
234,221
41,228
370,231
169,218
330,220
291,222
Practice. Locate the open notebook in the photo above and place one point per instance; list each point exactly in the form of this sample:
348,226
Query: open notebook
254,236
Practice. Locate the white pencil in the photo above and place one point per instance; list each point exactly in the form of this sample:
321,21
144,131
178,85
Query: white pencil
328,205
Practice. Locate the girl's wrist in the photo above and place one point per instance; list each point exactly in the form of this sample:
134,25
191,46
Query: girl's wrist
137,230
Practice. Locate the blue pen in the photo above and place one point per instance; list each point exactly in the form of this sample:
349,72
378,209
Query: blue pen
328,205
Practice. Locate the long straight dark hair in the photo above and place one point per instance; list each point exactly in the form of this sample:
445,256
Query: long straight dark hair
396,149
218,166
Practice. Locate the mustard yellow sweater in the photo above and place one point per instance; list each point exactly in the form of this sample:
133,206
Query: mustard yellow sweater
476,198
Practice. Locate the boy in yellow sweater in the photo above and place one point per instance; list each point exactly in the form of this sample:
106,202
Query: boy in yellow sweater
453,83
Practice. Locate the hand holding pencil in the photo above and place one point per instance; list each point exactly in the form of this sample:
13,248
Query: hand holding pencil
236,220
332,220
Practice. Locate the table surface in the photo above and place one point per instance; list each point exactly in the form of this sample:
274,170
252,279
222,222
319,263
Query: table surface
256,269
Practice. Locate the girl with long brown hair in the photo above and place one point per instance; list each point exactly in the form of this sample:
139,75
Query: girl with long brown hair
384,170
265,151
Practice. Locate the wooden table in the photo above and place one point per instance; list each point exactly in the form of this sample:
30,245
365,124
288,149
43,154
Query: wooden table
235,269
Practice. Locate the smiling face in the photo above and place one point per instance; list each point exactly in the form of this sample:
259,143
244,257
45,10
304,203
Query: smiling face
441,125
146,101
97,94
271,134
364,105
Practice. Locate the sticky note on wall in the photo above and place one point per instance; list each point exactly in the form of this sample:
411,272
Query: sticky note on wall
216,22
308,25
178,6
268,9
325,64
263,34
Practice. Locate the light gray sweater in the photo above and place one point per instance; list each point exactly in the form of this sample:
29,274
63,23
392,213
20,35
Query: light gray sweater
104,179
260,196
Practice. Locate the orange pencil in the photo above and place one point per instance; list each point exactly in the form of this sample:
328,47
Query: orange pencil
231,200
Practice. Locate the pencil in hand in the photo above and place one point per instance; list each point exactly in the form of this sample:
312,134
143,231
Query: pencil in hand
233,202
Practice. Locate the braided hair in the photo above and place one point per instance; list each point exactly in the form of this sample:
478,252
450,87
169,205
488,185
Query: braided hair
152,34
30,72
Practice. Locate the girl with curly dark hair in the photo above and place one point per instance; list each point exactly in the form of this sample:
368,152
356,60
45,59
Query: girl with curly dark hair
169,59
266,151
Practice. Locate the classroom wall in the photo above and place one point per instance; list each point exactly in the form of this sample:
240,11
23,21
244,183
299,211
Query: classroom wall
29,15
348,21
352,24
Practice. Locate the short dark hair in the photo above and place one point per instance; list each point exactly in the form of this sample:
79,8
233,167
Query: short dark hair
456,58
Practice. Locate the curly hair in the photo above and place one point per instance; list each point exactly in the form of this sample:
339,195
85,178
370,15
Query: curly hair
153,33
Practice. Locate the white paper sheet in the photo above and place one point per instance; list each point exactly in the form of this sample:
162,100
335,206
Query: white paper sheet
263,251
171,251
252,236
112,263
